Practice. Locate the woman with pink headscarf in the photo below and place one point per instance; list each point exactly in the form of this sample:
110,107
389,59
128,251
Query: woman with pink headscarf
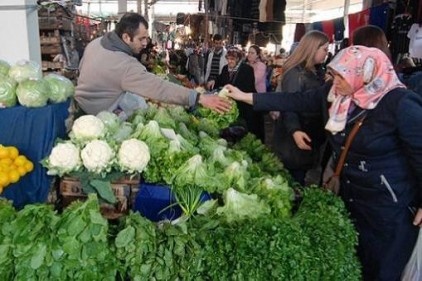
381,180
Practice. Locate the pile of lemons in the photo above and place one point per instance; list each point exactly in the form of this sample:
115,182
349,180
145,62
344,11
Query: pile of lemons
12,166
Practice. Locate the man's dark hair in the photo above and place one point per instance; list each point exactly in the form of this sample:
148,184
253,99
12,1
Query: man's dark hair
129,23
371,36
217,37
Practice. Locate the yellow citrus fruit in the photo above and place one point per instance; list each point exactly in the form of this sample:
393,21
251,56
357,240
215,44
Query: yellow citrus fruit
4,179
14,176
29,166
6,161
21,170
4,152
4,167
20,160
13,152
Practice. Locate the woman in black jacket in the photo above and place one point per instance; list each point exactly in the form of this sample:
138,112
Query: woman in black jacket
241,75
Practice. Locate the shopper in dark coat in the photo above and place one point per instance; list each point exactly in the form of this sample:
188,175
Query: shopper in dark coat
381,181
241,75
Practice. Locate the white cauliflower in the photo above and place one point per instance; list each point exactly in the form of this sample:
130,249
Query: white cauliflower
86,128
97,156
133,156
64,158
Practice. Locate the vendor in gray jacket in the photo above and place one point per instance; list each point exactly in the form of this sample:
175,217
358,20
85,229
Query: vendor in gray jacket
109,72
381,181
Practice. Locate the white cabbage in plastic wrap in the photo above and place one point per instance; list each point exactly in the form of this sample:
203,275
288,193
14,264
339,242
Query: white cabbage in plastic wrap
7,91
133,156
97,156
64,158
61,88
86,128
33,93
110,120
24,70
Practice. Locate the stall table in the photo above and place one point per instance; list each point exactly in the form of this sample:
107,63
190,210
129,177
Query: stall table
33,131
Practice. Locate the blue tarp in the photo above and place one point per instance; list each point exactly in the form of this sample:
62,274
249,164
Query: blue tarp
33,131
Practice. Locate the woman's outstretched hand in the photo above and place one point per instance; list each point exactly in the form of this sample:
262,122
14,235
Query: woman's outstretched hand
236,94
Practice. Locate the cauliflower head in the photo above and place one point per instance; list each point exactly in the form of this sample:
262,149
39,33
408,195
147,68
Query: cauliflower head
133,156
64,158
86,128
97,156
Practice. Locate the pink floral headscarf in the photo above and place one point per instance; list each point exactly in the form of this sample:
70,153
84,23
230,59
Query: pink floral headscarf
371,75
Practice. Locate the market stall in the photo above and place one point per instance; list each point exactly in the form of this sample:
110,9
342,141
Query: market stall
33,131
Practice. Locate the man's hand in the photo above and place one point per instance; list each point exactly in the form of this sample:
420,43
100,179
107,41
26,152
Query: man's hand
237,94
216,103
302,140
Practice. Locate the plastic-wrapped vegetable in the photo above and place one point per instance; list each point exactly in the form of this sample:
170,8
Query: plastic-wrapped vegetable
110,120
33,93
7,91
61,88
24,69
4,68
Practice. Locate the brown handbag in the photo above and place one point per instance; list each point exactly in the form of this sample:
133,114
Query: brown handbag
333,182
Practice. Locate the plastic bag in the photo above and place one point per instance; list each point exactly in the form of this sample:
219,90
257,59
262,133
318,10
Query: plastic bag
413,269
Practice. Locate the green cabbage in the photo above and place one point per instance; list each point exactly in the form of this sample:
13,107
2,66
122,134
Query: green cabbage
4,68
33,93
24,69
61,88
7,91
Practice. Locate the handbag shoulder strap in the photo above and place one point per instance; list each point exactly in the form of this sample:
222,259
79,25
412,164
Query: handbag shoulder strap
346,147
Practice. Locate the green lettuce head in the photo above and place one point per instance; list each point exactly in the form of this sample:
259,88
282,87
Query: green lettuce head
24,70
61,88
7,91
33,93
4,68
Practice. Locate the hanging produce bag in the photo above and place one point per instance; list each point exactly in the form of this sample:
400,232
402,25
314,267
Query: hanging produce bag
413,269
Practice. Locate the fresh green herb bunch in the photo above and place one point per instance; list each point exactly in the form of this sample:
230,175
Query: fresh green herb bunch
81,250
324,219
7,216
136,245
33,240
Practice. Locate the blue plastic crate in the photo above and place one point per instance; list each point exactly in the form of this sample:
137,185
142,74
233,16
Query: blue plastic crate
156,202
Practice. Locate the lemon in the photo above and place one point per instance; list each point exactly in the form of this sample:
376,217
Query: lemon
6,161
4,179
21,170
20,160
14,176
4,152
29,166
13,152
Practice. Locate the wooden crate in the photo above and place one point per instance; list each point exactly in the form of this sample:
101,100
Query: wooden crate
45,40
70,189
51,65
49,23
53,49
